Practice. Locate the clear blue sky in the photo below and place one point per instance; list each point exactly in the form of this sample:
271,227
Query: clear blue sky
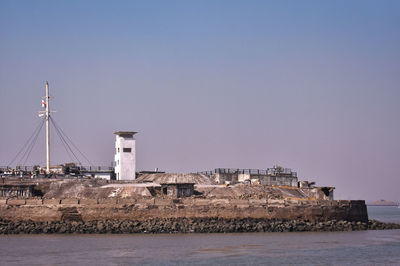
310,85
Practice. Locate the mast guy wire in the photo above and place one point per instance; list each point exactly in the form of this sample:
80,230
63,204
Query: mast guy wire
40,124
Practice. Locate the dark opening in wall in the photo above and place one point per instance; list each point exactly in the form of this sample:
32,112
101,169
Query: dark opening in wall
326,191
126,149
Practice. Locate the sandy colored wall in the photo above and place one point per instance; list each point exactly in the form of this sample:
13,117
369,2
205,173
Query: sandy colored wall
101,209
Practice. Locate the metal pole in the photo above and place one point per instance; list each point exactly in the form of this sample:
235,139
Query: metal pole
47,129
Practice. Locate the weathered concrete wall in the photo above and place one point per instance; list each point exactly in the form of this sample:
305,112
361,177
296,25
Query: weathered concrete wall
142,209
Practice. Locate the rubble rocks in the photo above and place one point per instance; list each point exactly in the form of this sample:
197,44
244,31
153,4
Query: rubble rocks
377,225
185,225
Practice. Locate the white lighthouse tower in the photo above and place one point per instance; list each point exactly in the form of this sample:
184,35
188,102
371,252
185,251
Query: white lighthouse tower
125,155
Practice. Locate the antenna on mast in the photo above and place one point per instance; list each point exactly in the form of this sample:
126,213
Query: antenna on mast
47,116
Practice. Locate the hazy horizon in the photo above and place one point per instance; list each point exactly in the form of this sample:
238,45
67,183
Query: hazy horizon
310,85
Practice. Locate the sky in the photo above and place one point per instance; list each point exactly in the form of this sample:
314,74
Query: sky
308,85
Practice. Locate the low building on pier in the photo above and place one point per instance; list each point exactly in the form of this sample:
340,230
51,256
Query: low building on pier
175,185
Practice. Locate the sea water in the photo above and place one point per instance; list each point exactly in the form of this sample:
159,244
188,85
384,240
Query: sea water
320,248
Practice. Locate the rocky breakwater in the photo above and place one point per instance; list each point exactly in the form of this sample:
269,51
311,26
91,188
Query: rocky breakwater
184,225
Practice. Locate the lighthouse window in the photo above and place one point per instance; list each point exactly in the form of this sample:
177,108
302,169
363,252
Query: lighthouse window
127,149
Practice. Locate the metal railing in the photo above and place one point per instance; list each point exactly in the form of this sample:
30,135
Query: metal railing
96,168
18,167
268,171
31,168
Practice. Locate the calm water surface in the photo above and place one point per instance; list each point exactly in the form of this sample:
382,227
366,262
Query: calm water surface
333,248
389,214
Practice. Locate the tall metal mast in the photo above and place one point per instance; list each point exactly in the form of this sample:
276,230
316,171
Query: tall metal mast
47,129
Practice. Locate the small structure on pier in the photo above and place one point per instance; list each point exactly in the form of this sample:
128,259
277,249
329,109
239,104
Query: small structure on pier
177,190
313,192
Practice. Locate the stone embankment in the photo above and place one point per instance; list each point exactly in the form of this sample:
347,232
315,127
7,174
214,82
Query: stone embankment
184,225
43,210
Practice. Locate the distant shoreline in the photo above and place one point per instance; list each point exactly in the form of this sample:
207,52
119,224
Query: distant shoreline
383,205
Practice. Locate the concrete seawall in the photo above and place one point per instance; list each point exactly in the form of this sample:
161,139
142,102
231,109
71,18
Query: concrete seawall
86,210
